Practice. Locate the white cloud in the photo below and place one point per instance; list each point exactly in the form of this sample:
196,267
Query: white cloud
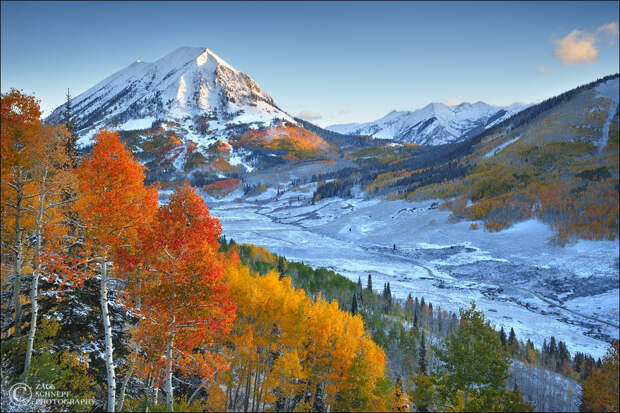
576,47
543,70
309,115
610,31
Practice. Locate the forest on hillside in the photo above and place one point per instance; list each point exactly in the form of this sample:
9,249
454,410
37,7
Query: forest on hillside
570,184
112,301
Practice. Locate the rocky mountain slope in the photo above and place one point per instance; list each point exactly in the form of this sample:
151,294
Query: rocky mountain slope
190,86
434,124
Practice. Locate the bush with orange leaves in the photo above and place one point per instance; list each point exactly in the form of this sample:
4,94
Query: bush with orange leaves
222,187
298,142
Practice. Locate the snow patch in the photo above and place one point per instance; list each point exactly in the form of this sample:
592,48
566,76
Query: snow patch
501,147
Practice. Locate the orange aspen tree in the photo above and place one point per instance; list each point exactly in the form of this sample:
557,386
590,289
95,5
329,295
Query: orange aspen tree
113,205
600,389
20,128
51,183
289,351
184,303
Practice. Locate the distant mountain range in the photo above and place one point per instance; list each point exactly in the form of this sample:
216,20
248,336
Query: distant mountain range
434,124
208,98
192,116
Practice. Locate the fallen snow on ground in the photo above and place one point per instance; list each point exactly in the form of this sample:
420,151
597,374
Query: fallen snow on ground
501,147
516,276
134,124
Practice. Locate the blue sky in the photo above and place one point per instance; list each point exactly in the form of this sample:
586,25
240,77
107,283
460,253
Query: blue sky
332,62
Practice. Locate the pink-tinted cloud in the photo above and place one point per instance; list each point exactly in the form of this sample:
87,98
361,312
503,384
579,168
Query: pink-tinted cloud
576,47
309,115
609,31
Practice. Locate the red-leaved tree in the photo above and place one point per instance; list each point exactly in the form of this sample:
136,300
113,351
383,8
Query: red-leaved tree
179,290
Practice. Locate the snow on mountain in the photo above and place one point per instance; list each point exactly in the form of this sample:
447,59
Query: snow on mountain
434,124
184,86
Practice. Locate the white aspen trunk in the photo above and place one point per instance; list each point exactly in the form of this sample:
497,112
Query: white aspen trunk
34,288
107,327
169,388
121,396
17,276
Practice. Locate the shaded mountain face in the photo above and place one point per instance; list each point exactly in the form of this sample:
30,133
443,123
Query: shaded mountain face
434,124
192,87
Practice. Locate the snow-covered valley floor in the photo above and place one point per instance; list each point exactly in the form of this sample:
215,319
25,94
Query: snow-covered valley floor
516,276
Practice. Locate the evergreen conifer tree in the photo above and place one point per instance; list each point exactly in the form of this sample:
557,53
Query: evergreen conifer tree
422,355
502,337
476,367
72,151
354,305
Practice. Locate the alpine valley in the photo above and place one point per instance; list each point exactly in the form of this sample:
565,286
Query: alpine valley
513,208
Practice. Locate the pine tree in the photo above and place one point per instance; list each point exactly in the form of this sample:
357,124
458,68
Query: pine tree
360,290
369,285
72,151
553,349
422,355
422,395
281,267
409,308
513,344
502,337
354,305
476,366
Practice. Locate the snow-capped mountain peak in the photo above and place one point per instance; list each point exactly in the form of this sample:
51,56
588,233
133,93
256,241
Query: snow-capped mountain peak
434,124
184,85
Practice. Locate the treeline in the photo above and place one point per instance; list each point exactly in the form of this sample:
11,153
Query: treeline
417,167
409,330
529,114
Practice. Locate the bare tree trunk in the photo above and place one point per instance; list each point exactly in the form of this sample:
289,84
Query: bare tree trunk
246,399
237,388
17,276
169,388
107,328
34,288
121,397
194,394
254,392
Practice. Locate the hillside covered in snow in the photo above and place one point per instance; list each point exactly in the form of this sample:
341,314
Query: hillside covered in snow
434,124
192,86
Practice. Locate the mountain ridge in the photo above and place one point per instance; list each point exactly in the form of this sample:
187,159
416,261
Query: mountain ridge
184,85
433,124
